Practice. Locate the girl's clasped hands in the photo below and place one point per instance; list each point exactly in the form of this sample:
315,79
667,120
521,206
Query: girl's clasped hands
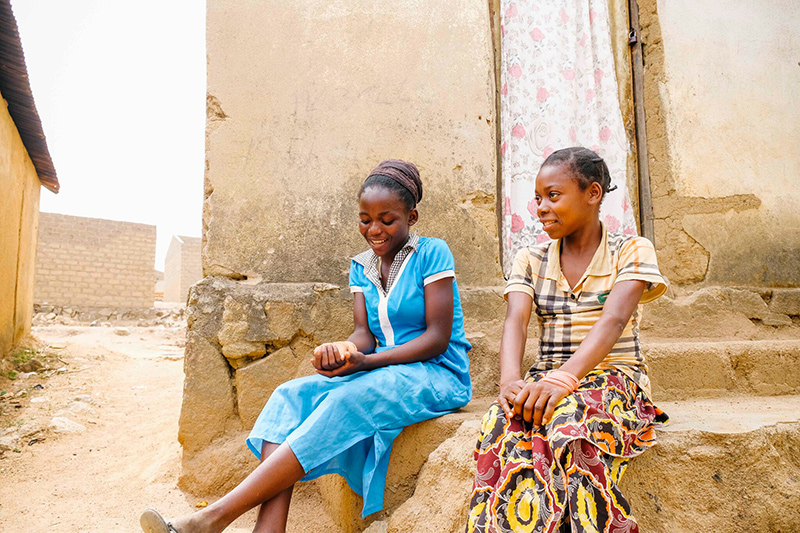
340,358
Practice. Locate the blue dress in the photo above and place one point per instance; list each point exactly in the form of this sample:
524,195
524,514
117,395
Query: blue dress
346,425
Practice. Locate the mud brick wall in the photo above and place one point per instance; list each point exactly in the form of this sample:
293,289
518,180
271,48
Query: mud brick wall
93,262
182,267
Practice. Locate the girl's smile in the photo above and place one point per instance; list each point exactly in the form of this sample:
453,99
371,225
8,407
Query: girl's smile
385,221
562,206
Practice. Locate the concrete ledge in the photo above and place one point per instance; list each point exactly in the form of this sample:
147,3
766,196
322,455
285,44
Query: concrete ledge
680,370
729,477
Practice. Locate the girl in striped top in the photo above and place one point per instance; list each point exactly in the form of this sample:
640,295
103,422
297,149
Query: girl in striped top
554,445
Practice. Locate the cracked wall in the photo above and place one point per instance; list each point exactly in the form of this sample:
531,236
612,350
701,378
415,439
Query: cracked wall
723,128
305,98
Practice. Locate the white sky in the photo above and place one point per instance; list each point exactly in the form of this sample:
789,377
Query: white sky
120,89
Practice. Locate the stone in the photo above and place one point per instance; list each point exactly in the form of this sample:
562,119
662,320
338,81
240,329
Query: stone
85,398
64,425
256,381
776,319
122,332
31,365
379,526
785,301
9,442
450,470
208,408
31,428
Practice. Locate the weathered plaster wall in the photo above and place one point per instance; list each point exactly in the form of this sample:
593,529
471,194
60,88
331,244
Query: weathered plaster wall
724,130
182,267
306,97
19,211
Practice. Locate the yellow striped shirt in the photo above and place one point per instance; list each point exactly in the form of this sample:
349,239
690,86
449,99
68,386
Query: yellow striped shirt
566,315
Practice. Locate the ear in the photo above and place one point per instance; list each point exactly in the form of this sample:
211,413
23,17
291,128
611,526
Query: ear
595,193
413,216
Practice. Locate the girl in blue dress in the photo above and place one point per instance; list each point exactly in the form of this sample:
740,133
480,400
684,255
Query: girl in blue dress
405,362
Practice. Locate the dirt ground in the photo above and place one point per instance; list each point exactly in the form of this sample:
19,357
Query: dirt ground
124,391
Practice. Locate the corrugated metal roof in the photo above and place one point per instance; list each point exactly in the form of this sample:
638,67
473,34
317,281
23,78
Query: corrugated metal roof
16,89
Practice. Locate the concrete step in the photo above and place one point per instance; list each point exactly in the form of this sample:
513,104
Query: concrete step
722,465
679,369
682,370
741,313
409,453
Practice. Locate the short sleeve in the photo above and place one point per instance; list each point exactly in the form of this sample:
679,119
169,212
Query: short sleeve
437,262
521,278
637,261
356,277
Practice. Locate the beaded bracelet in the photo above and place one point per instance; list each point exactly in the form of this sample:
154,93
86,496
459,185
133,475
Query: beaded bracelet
562,378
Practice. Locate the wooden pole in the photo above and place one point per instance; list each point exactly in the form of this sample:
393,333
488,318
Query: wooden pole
645,196
495,20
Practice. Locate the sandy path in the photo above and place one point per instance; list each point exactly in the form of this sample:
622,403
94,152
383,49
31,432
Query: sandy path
126,459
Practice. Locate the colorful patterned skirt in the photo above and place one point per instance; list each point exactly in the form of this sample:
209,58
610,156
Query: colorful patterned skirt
563,477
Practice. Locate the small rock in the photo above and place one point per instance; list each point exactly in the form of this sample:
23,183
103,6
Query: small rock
105,324
25,375
777,319
94,324
122,332
31,366
40,399
85,398
8,443
30,429
379,526
61,424
80,407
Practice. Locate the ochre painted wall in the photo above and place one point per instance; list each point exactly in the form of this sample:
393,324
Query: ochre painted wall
19,211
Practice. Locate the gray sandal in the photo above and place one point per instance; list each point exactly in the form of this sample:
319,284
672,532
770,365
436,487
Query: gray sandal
152,522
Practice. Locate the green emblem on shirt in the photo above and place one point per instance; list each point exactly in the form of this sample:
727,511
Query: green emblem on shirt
603,297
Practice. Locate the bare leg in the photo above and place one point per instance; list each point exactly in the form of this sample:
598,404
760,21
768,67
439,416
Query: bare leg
277,473
274,512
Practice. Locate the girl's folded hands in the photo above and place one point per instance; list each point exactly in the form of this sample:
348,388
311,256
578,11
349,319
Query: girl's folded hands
534,402
340,358
331,355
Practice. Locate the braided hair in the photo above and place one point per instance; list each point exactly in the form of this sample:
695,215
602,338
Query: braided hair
586,165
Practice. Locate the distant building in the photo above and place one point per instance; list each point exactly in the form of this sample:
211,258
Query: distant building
158,278
25,166
91,262
182,267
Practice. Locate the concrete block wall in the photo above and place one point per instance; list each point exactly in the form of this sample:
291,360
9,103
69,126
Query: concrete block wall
94,262
182,268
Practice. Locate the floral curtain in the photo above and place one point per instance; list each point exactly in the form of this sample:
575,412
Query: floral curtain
559,89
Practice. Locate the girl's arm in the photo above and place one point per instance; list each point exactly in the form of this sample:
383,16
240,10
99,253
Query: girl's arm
617,311
327,356
362,337
512,348
433,342
537,401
